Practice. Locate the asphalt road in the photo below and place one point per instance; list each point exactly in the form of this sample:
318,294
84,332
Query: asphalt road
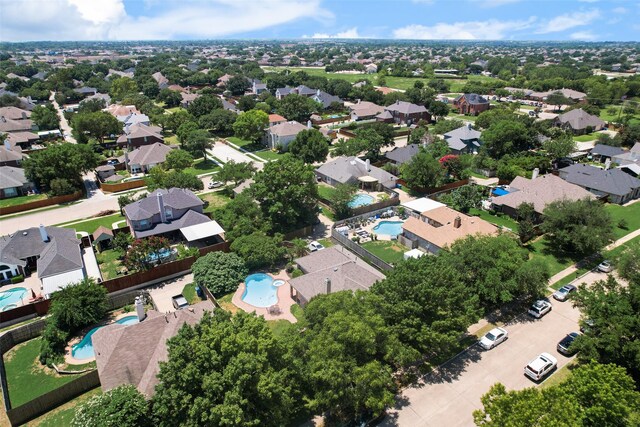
449,395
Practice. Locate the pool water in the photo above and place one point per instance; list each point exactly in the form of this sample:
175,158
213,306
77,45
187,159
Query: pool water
499,192
361,199
10,298
390,228
260,291
84,349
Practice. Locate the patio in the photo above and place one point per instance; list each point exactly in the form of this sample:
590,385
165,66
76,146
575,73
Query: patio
283,305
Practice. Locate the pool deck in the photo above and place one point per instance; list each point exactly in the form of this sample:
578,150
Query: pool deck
284,301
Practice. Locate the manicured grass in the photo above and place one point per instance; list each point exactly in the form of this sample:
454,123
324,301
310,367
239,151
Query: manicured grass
189,292
26,378
616,116
631,214
175,109
498,220
63,415
453,115
585,138
268,155
560,375
351,78
109,263
246,144
386,250
15,201
171,140
92,224
278,327
215,199
326,192
556,260
201,167
327,243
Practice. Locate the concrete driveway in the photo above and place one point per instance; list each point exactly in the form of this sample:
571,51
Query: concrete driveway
163,291
449,395
225,153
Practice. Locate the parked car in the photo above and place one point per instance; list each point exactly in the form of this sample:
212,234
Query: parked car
493,338
564,346
113,162
605,267
214,184
540,308
586,325
563,293
540,367
179,302
315,246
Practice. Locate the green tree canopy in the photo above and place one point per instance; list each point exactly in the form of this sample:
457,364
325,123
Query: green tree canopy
221,272
198,142
250,125
310,146
97,125
422,171
123,406
236,172
178,160
159,178
121,87
241,216
45,117
66,161
341,198
259,250
506,137
297,107
218,121
204,104
464,198
561,146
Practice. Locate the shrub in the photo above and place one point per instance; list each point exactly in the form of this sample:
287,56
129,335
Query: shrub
17,279
53,343
219,271
122,406
623,224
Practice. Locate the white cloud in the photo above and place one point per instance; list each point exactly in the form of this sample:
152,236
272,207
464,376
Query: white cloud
472,30
351,33
583,35
494,3
568,21
620,10
107,19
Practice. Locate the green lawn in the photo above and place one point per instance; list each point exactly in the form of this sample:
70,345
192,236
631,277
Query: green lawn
388,251
555,259
328,213
246,144
189,292
15,201
174,109
631,214
585,138
109,263
215,200
327,243
92,224
63,414
226,303
200,167
499,220
617,115
171,140
453,115
26,378
560,375
326,192
268,155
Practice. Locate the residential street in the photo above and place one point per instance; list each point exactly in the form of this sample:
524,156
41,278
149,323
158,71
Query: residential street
449,395
64,124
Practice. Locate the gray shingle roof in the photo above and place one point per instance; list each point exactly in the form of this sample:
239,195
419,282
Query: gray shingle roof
149,154
402,155
326,99
287,128
473,98
612,181
459,139
348,169
404,107
11,177
606,150
188,219
176,198
580,119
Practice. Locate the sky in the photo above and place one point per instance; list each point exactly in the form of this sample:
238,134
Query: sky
584,20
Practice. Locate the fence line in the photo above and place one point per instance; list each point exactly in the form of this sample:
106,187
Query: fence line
361,252
41,203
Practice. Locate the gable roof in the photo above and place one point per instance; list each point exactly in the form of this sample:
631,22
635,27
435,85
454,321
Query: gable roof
402,155
176,198
404,107
366,108
606,150
459,139
149,154
276,118
8,125
12,154
14,113
346,169
473,98
611,181
326,99
140,130
580,119
287,128
11,177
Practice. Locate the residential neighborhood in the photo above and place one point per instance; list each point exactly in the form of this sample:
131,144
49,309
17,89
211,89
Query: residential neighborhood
345,226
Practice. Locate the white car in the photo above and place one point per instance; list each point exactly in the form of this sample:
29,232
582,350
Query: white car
605,267
540,367
540,308
493,338
215,184
315,246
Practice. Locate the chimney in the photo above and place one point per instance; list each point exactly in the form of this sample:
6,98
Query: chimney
457,222
607,164
43,234
535,173
7,144
309,126
367,164
327,282
140,309
163,215
469,126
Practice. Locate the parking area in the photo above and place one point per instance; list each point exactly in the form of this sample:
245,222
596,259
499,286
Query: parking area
162,292
449,395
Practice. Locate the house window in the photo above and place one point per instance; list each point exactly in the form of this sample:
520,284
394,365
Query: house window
10,192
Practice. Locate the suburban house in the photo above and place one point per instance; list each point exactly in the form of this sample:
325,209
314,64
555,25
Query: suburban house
403,112
304,91
11,126
618,186
602,152
257,87
365,110
222,81
416,207
276,119
540,191
280,135
172,213
104,172
54,252
86,91
400,155
162,81
131,354
326,99
134,119
13,182
118,111
281,92
143,158
10,154
628,158
229,106
188,98
14,113
140,134
102,238
353,170
371,68
471,103
330,270
579,122
571,94
22,139
438,228
465,139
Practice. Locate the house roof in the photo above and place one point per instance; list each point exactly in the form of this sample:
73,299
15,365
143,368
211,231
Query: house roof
130,354
189,97
190,218
149,154
140,130
102,233
422,204
366,108
276,118
473,98
459,139
611,181
404,107
228,105
579,119
304,90
606,150
160,79
385,115
287,128
402,155
346,169
122,110
14,113
540,191
446,234
11,177
8,125
176,198
326,99
12,154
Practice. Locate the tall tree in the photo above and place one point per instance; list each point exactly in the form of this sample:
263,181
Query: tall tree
218,121
297,107
66,161
506,137
251,125
45,117
198,142
422,171
341,200
204,104
122,87
310,146
178,160
259,250
561,146
235,172
241,216
220,272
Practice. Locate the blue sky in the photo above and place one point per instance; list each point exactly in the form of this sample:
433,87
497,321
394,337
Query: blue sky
23,20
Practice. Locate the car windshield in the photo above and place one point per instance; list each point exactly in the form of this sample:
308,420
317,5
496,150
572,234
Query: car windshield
490,336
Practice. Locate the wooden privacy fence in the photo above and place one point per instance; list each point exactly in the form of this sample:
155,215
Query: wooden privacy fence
50,201
122,186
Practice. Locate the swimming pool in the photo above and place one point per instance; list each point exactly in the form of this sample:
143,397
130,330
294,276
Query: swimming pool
84,349
259,290
11,297
499,192
390,228
361,199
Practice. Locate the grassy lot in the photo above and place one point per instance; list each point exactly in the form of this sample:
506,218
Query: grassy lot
500,221
189,292
200,167
174,109
386,250
63,414
327,243
326,192
351,78
585,138
15,201
226,304
215,199
109,263
26,378
171,140
555,259
268,155
246,144
631,215
278,326
617,115
92,224
453,115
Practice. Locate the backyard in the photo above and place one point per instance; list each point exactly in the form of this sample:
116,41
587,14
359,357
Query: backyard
15,201
214,200
387,250
200,167
498,220
109,263
63,414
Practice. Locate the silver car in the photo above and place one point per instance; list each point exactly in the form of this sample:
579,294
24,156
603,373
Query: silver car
563,293
605,267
